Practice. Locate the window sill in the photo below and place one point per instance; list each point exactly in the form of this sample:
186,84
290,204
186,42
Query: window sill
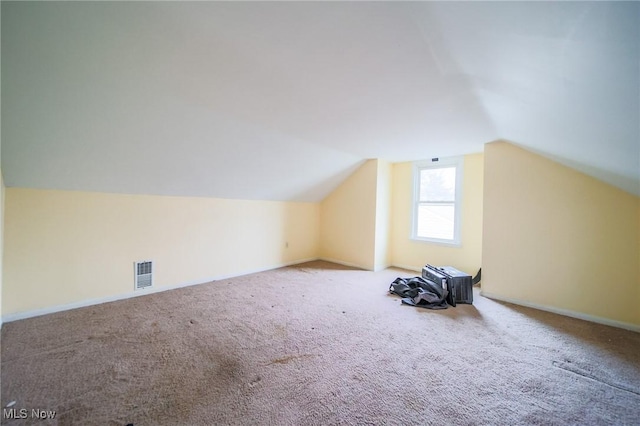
446,243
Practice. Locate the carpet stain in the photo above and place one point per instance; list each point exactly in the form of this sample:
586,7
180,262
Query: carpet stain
211,372
281,330
414,404
255,381
186,380
287,359
69,414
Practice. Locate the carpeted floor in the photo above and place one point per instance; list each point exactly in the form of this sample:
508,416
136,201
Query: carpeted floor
316,344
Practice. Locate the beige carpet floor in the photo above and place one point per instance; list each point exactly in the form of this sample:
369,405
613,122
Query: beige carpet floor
316,344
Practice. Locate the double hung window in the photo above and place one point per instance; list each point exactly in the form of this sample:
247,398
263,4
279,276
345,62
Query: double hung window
436,201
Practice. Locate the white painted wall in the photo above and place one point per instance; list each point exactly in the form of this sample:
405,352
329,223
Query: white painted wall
283,100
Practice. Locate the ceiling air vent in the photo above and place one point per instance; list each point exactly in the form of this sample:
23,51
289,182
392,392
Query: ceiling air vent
143,274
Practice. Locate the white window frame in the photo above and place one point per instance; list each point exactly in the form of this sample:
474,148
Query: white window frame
439,163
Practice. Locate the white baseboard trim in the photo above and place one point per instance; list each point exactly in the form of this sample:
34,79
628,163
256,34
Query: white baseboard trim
90,302
407,267
565,312
382,267
255,271
340,262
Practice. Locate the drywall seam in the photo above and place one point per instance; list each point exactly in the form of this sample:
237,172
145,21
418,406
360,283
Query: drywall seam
565,312
84,303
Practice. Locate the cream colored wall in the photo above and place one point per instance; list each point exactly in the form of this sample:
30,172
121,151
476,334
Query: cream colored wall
412,254
383,215
559,239
63,247
348,219
2,189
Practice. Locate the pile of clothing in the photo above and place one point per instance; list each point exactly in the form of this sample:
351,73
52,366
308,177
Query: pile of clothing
420,292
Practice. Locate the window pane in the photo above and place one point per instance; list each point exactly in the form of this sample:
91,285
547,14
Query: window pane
438,184
436,221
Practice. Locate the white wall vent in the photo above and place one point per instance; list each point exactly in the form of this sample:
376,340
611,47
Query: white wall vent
143,272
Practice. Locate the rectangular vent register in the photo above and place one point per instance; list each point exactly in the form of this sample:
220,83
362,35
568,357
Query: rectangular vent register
143,274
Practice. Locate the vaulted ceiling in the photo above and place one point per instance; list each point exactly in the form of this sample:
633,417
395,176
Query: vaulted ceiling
283,100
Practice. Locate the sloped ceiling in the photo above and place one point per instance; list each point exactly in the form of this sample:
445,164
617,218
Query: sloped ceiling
282,101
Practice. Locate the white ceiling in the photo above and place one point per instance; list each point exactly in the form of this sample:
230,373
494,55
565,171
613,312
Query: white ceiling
282,101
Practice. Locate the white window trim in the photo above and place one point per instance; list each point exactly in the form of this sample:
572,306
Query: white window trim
431,164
